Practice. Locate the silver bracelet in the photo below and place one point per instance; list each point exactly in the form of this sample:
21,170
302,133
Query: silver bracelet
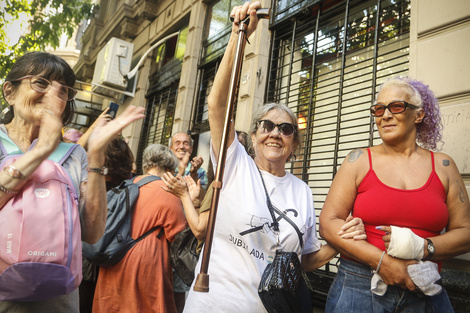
8,191
380,263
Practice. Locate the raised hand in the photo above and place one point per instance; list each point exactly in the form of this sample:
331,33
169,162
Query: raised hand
53,106
239,13
196,163
105,114
184,163
175,185
193,187
83,141
106,130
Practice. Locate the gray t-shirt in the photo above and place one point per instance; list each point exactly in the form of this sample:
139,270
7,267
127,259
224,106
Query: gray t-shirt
75,165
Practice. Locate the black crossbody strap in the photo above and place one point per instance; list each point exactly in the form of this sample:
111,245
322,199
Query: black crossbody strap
283,215
148,232
275,223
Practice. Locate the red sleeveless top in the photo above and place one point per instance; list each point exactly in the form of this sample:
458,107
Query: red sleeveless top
422,210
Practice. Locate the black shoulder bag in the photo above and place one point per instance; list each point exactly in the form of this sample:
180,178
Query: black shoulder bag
283,279
184,255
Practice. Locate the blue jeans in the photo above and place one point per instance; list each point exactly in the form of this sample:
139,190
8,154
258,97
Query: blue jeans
350,292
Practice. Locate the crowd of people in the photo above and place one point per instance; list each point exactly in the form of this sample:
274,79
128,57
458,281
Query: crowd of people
394,211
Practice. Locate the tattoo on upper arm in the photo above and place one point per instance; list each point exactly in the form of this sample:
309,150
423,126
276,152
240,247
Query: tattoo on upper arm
461,192
354,155
446,162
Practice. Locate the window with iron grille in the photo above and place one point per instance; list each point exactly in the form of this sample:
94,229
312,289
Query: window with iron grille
217,33
326,65
158,121
207,74
162,92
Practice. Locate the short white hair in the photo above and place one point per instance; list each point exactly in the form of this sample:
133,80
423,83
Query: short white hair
159,156
191,141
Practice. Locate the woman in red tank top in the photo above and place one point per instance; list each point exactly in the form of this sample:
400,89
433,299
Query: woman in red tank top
399,182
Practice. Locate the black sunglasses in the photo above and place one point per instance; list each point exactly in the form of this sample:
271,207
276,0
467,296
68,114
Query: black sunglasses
267,126
395,107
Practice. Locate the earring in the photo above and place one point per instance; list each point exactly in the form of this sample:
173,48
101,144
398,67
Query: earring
7,115
6,110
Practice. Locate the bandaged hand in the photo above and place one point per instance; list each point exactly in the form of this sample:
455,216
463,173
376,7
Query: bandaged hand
403,243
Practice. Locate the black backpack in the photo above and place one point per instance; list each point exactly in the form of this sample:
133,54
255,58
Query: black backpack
117,240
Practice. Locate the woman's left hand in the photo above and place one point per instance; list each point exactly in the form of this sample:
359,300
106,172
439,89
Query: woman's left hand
175,185
193,187
106,130
353,228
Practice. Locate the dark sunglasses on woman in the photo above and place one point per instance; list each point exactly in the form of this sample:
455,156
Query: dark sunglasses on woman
267,126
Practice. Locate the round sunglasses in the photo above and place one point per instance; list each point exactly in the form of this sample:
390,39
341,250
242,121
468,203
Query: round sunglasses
267,126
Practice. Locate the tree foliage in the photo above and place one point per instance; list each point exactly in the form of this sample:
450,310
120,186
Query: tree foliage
47,21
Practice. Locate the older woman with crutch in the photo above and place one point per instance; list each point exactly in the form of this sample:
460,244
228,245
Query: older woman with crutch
248,232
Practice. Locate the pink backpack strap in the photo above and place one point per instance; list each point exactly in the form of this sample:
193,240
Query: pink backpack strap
60,154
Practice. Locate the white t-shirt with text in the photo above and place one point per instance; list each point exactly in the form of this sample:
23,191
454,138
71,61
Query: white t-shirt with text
243,241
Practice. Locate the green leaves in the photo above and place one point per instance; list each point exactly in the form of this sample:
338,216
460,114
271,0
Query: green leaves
44,23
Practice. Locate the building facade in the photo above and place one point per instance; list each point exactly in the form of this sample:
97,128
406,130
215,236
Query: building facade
324,59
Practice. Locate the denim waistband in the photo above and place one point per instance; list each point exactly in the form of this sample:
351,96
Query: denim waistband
355,267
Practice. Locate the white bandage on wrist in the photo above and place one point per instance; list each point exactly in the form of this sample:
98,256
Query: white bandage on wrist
404,244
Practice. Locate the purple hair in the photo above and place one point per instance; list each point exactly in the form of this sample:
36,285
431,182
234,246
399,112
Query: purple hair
429,131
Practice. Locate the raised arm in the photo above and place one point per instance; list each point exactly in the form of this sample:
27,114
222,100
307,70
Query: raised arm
218,97
95,208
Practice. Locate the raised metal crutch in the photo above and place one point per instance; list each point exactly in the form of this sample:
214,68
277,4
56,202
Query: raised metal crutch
202,280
